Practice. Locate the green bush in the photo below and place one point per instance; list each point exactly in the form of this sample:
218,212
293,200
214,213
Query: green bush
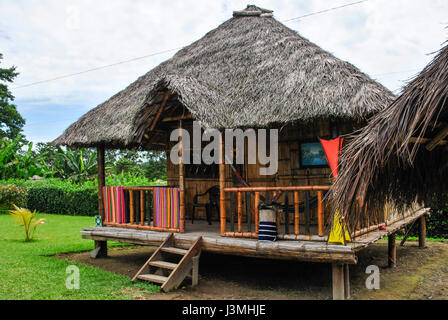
11,194
65,197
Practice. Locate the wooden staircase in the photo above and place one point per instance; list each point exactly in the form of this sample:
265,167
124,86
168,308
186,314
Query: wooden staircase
170,265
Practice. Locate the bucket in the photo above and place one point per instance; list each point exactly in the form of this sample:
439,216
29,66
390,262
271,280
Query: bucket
267,228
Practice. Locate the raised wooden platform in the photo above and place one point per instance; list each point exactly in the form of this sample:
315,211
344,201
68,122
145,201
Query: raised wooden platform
212,241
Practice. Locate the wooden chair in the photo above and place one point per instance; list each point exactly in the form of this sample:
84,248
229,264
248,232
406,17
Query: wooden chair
213,202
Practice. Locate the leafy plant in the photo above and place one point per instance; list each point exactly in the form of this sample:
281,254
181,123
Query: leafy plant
27,219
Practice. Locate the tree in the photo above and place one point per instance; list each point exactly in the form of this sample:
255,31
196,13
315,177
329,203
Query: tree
11,122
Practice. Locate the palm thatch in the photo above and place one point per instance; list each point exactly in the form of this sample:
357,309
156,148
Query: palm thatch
251,71
400,156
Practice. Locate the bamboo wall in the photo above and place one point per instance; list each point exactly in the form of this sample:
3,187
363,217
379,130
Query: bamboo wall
289,171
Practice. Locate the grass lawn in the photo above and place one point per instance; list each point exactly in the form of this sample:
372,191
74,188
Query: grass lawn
28,272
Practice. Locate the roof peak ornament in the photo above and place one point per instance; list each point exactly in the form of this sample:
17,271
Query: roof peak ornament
252,10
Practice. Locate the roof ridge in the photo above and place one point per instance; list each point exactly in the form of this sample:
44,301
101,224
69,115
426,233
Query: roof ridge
253,10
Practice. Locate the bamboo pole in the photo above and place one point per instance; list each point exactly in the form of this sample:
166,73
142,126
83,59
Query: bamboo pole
222,197
240,213
257,213
296,212
131,205
279,188
142,208
181,181
320,214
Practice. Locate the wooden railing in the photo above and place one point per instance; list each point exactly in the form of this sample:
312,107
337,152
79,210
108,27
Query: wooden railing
139,204
269,193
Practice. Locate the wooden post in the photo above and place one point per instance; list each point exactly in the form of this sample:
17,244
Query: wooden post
240,213
286,212
142,207
131,206
100,246
338,281
257,213
296,212
222,196
195,272
101,180
347,281
422,232
320,214
392,251
181,181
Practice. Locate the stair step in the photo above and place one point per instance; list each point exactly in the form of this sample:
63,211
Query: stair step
163,264
153,278
174,250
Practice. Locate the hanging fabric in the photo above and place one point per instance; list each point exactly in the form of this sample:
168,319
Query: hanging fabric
332,148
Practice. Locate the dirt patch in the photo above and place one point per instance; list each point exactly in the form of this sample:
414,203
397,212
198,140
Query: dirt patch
420,274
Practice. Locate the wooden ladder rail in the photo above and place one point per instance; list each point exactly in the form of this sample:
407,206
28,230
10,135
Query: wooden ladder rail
184,267
169,239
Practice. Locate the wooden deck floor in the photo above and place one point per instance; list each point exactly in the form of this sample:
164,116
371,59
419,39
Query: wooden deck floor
212,241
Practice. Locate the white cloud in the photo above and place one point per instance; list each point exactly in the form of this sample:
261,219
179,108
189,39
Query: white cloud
46,39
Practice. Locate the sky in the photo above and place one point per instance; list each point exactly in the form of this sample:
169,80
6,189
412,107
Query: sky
390,40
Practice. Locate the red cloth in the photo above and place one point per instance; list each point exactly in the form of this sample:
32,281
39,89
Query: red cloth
332,149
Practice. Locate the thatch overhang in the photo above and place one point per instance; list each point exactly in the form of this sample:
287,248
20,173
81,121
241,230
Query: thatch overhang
402,154
251,71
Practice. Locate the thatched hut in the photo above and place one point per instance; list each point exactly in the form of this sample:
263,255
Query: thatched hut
399,159
250,72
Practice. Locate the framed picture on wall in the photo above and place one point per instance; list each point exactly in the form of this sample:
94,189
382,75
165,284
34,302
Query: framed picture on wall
312,154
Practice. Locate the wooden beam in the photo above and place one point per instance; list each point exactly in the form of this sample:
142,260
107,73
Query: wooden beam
431,145
131,206
159,112
101,180
422,232
142,207
183,117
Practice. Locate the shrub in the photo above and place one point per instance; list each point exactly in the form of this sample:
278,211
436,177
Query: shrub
11,194
27,219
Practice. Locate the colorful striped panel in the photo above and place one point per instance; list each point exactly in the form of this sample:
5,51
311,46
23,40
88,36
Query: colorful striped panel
114,205
166,207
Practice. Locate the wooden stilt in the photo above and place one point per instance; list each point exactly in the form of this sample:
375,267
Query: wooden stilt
422,232
195,271
100,250
392,251
347,281
338,281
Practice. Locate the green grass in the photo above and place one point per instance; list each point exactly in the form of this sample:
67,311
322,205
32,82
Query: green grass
27,271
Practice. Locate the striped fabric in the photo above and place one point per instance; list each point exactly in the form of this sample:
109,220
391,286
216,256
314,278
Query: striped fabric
267,231
114,206
166,207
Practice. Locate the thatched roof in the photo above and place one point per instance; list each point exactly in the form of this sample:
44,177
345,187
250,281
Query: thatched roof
250,71
401,154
